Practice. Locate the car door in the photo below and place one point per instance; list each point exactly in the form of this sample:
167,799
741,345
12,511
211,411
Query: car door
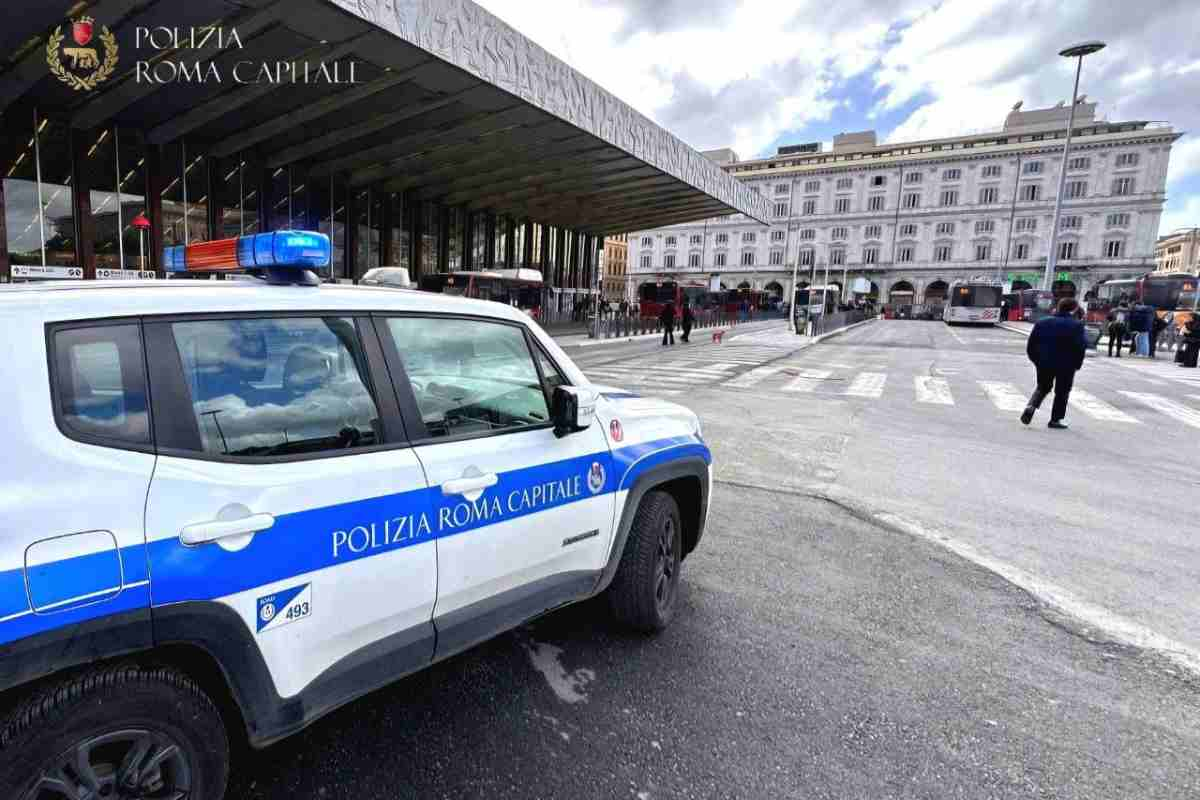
285,493
523,517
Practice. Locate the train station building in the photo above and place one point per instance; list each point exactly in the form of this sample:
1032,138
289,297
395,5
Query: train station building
426,134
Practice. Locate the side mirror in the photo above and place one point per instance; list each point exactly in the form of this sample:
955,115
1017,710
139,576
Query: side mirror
573,410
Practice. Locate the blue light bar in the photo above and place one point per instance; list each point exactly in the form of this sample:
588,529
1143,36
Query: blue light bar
299,249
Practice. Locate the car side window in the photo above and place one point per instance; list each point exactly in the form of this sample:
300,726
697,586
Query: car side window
100,381
277,386
469,376
551,376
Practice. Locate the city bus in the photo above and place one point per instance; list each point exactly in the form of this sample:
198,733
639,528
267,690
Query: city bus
1030,305
975,301
811,302
521,288
1172,291
652,296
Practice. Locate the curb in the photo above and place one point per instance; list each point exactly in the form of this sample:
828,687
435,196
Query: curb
839,331
1008,327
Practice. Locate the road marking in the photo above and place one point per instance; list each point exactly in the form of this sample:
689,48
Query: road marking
933,390
748,379
1096,408
867,384
807,380
957,338
1188,416
1004,396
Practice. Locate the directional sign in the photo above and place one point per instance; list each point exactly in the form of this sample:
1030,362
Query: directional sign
123,274
46,273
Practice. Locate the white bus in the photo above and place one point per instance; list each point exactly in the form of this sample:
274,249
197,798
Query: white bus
976,301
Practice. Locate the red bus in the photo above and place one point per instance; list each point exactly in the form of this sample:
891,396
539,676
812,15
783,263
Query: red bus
1030,305
653,296
1165,291
521,288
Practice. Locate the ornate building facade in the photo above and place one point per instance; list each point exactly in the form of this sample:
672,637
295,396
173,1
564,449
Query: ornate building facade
911,217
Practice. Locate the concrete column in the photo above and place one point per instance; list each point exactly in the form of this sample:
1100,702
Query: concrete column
155,184
385,230
81,202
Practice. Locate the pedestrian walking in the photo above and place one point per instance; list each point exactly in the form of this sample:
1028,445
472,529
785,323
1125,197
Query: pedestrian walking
623,307
1117,320
1170,332
1189,347
667,318
1157,326
1056,347
689,319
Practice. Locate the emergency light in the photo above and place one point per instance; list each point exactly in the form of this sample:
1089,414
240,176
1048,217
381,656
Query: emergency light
282,256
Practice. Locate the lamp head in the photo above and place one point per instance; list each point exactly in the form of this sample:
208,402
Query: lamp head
1082,49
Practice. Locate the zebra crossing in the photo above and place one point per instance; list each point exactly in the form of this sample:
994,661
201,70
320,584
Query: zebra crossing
744,369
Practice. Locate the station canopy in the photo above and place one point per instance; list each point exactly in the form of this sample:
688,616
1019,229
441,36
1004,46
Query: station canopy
447,100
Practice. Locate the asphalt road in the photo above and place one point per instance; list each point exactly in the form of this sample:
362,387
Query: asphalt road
825,647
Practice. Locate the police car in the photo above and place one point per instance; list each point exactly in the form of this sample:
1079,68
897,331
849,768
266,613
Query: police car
230,507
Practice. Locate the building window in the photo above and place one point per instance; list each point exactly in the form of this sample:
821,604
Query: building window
951,174
942,252
875,203
748,237
1032,168
949,198
841,205
1116,220
748,258
646,241
912,200
1021,251
1079,163
1114,248
839,233
878,180
693,259
781,188
1127,160
1076,189
872,231
722,238
913,177
945,229
1031,192
695,239
669,261
1070,222
812,186
989,195
645,262
1122,186
991,171
904,255
985,226
983,252
844,183
1066,251
1026,224
777,236
806,258
908,229
719,259
870,255
670,241
809,208
837,257
781,209
775,259
808,234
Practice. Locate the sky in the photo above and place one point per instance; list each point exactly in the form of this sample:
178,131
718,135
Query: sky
755,74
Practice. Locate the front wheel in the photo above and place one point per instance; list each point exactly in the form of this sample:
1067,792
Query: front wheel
118,733
643,592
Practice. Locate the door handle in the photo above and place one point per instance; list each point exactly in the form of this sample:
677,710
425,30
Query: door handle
211,531
475,483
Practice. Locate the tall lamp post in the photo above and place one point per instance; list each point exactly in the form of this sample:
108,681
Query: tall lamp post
1076,51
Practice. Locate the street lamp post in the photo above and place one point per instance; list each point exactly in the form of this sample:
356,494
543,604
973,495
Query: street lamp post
1077,52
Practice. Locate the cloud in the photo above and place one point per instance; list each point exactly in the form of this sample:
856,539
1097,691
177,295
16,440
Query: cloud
1183,215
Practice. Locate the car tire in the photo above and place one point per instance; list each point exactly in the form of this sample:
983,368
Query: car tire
89,731
644,591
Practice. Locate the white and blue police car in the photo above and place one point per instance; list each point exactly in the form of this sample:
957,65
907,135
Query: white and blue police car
230,507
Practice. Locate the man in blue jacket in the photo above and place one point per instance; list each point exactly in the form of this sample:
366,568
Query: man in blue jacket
1056,348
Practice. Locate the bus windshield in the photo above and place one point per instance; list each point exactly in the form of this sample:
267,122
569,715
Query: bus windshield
444,284
976,296
657,292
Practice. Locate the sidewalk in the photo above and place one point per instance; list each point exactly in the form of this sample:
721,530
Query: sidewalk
567,339
1025,328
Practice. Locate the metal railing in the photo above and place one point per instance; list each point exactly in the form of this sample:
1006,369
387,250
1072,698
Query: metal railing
827,323
619,326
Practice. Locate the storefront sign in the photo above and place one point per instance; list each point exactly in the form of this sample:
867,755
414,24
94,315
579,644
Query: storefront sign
46,273
123,274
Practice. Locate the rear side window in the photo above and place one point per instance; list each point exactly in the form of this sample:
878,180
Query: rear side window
276,387
100,384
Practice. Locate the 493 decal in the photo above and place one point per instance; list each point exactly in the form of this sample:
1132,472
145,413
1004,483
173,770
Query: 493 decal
286,605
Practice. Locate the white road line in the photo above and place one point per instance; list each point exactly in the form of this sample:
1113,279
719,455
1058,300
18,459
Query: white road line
667,380
957,338
1096,408
1004,396
933,390
867,384
807,380
1188,416
748,379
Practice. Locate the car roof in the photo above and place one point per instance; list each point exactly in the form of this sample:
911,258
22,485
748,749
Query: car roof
89,299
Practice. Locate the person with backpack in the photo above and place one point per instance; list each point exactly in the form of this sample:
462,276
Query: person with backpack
1056,347
1118,320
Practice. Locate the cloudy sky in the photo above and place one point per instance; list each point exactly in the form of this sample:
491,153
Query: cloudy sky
758,73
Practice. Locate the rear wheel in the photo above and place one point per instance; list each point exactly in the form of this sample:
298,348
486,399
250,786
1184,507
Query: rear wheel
644,591
119,733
